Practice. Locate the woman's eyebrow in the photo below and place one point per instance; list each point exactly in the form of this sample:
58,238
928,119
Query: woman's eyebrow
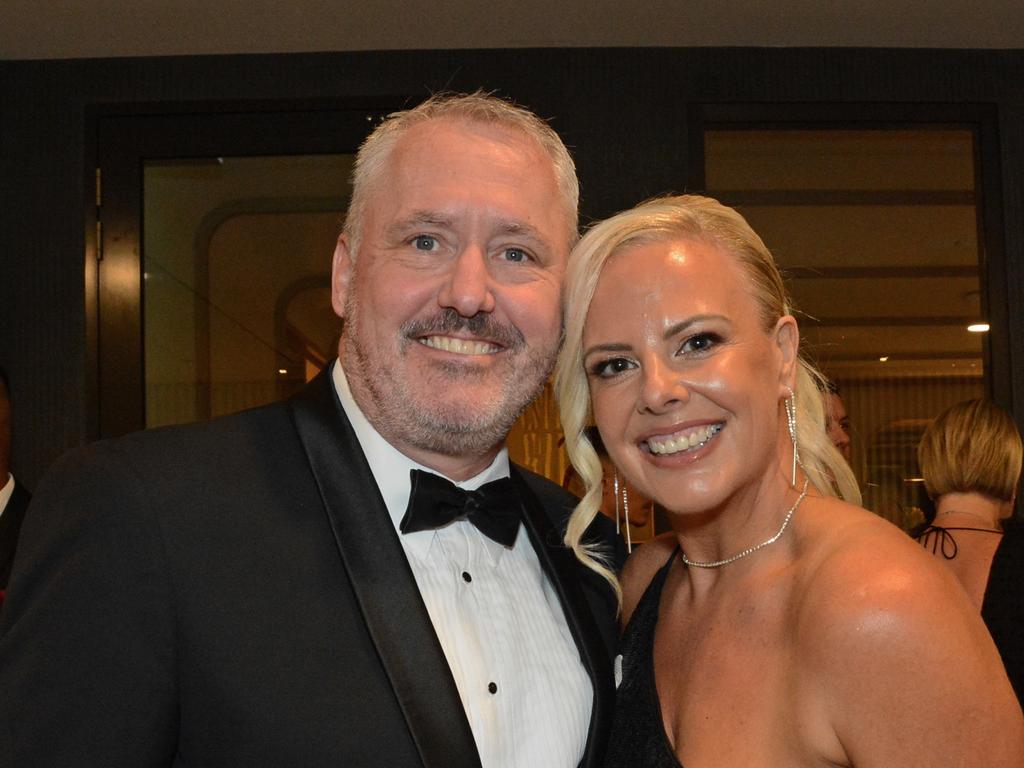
610,347
683,325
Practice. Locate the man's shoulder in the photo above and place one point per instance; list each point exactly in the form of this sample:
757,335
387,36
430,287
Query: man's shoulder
548,491
212,443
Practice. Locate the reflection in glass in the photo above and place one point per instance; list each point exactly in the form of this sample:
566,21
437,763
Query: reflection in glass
236,259
877,233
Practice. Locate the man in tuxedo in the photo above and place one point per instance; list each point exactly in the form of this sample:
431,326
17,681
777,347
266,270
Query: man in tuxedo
358,576
14,497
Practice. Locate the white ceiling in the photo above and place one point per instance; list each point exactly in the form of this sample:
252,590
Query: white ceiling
54,29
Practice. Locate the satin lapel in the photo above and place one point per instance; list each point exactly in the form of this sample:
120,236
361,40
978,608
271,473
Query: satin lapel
562,569
383,583
10,524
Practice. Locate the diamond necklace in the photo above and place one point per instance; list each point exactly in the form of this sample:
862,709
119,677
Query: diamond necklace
753,549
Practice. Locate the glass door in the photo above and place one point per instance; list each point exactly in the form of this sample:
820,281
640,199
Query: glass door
236,266
880,231
215,232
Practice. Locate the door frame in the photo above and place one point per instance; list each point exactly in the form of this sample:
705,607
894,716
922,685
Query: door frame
982,119
120,139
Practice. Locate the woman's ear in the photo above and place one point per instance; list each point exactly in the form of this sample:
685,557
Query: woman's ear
787,339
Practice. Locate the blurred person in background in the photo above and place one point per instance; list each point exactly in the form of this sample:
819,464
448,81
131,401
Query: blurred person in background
837,421
970,459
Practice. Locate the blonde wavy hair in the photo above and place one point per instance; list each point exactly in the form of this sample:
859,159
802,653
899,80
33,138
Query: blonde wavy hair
662,219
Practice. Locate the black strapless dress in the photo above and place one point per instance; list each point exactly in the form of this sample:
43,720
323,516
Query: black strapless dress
638,737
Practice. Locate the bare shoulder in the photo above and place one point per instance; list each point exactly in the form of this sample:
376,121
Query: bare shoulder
865,583
890,640
870,563
640,568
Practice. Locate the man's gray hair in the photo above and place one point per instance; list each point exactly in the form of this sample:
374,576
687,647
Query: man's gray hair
477,107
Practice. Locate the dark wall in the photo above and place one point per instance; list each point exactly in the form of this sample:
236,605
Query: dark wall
624,112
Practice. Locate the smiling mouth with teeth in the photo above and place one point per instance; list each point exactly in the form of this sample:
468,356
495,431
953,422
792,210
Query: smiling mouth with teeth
459,346
684,441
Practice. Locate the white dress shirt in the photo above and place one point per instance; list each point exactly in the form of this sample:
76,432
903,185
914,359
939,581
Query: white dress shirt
500,623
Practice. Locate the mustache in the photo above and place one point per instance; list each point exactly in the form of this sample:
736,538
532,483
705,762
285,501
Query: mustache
482,324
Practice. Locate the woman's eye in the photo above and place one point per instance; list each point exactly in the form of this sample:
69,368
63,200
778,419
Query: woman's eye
607,368
425,243
701,342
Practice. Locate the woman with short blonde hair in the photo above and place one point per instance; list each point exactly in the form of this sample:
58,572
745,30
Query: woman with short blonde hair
971,447
970,458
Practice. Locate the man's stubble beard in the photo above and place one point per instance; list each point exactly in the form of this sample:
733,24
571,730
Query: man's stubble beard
405,412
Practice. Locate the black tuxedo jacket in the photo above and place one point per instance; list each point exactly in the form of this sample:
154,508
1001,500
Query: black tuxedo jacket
235,594
10,524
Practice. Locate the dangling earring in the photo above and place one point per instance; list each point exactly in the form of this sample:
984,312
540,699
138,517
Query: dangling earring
790,403
625,506
615,486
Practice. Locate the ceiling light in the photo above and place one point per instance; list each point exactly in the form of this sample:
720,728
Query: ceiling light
883,358
978,328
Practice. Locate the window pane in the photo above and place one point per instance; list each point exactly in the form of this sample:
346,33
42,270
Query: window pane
237,259
877,234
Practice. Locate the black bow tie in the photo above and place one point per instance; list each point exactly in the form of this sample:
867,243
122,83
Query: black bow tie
435,501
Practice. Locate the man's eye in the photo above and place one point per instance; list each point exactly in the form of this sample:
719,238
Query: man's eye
517,255
425,243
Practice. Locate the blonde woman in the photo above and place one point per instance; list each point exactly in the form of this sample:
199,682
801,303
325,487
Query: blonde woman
970,459
776,625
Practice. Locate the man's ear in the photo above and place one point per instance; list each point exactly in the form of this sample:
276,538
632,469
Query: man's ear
341,274
787,339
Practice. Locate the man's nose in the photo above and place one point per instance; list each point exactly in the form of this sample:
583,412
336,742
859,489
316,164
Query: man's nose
468,287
